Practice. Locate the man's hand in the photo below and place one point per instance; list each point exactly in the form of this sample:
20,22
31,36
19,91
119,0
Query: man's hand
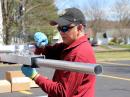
40,39
29,72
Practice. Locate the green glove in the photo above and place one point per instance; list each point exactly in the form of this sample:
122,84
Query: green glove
29,72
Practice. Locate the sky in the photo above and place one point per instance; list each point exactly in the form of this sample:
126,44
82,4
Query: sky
106,5
62,4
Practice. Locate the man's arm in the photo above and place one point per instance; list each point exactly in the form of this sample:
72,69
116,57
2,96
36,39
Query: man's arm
65,85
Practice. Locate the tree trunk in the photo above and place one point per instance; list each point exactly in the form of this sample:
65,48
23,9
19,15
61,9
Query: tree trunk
125,40
1,25
94,41
7,36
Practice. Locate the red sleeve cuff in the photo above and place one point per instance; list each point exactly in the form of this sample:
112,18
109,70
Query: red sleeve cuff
40,78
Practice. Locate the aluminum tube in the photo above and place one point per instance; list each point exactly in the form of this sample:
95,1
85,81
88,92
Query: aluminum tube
6,51
19,59
70,66
38,61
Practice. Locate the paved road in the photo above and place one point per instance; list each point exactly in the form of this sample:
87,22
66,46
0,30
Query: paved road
114,82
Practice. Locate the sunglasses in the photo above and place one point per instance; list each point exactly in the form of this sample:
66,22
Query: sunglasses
64,28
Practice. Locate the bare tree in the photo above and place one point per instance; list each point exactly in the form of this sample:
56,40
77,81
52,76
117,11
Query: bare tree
1,25
122,12
8,18
23,16
95,15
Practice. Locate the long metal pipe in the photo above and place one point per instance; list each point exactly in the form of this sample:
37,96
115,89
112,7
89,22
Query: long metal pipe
39,61
70,66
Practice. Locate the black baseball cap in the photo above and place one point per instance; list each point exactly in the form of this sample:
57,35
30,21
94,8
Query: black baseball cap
70,16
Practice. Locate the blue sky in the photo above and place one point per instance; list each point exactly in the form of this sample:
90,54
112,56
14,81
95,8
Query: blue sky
106,5
62,4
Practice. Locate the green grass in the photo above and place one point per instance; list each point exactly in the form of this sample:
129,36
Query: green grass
112,56
104,47
125,46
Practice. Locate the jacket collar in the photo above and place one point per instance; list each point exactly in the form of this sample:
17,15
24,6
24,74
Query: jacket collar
77,42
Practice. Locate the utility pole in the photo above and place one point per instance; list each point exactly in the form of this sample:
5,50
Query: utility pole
1,25
21,14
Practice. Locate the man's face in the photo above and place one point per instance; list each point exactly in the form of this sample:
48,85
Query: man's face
69,33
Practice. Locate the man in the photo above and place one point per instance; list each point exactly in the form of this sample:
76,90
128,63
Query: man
76,48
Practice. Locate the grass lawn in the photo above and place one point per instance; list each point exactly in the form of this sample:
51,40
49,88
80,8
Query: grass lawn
125,46
112,56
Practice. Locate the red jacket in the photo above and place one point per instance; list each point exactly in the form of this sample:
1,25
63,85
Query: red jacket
66,83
